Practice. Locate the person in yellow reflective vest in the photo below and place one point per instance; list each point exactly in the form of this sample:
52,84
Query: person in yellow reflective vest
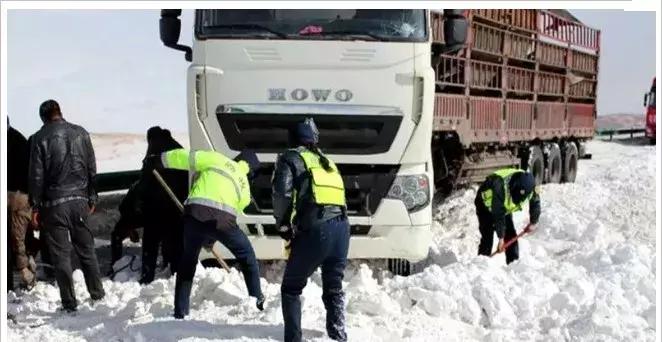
309,207
501,194
220,192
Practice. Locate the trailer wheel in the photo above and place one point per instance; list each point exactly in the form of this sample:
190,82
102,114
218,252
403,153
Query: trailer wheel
554,164
537,164
570,157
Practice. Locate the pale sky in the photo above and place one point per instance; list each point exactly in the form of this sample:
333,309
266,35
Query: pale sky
110,72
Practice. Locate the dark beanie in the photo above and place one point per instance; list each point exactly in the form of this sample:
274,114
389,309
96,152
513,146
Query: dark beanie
306,132
521,186
251,159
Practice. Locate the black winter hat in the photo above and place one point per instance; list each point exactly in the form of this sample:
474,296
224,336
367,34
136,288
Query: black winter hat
521,186
307,133
251,159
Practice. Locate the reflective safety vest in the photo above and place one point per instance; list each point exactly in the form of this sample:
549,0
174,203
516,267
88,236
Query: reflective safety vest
327,186
505,175
218,181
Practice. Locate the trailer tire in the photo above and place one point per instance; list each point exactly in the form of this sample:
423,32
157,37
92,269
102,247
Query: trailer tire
554,164
570,162
537,164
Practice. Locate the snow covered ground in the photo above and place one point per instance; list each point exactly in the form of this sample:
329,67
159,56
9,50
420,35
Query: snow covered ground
586,274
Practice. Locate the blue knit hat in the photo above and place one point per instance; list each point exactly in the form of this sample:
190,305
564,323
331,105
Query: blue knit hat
307,133
251,159
521,186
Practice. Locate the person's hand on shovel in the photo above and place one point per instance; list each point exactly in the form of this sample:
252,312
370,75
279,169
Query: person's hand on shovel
501,246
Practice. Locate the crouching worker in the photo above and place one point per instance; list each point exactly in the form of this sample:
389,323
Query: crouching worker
220,191
131,219
501,194
309,207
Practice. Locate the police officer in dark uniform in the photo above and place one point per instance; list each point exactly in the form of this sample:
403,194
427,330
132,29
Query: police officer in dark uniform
501,194
309,207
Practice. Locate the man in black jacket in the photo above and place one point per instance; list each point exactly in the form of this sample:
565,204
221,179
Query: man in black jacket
161,217
61,188
501,194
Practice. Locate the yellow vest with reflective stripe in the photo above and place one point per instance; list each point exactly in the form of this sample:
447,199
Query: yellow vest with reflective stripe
509,205
327,186
218,182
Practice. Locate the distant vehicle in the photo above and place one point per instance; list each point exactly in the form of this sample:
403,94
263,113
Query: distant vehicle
649,103
406,101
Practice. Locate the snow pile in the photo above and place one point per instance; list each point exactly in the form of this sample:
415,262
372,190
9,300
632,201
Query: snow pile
587,273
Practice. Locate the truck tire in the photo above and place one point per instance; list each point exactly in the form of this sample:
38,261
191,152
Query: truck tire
570,158
554,164
537,164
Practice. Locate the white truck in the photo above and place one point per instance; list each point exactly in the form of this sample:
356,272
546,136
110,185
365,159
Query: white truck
364,76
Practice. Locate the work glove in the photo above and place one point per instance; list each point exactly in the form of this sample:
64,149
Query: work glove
501,245
286,233
32,265
28,278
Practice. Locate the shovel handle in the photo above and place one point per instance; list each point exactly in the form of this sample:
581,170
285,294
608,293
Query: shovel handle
181,209
508,243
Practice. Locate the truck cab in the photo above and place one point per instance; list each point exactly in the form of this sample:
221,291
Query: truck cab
366,79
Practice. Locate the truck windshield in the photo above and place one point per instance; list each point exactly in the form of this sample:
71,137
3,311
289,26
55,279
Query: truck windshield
332,24
651,98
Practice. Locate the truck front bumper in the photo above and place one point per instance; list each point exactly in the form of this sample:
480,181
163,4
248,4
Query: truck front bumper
392,235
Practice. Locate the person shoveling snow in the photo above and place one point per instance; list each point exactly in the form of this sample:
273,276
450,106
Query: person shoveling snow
501,194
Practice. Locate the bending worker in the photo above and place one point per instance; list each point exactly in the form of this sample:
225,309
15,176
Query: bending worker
501,194
220,191
309,207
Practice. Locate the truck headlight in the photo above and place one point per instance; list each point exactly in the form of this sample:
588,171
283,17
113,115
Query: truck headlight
412,190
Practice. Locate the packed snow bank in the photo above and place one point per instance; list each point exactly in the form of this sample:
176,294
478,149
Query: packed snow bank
587,273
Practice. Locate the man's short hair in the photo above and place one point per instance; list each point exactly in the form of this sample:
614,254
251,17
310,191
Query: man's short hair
49,109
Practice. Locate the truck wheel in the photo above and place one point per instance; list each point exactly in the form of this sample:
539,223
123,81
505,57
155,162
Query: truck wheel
570,157
651,141
399,267
554,164
537,164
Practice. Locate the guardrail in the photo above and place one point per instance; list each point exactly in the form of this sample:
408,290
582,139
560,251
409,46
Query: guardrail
114,181
617,131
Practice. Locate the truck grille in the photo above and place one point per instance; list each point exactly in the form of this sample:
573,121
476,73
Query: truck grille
339,134
365,187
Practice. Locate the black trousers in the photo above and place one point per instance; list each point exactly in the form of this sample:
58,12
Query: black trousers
121,231
197,234
486,227
60,223
166,233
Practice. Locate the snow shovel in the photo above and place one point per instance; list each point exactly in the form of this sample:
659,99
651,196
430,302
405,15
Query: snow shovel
526,230
181,209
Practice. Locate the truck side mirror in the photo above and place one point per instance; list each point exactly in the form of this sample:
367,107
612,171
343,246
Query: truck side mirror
169,28
455,30
645,99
